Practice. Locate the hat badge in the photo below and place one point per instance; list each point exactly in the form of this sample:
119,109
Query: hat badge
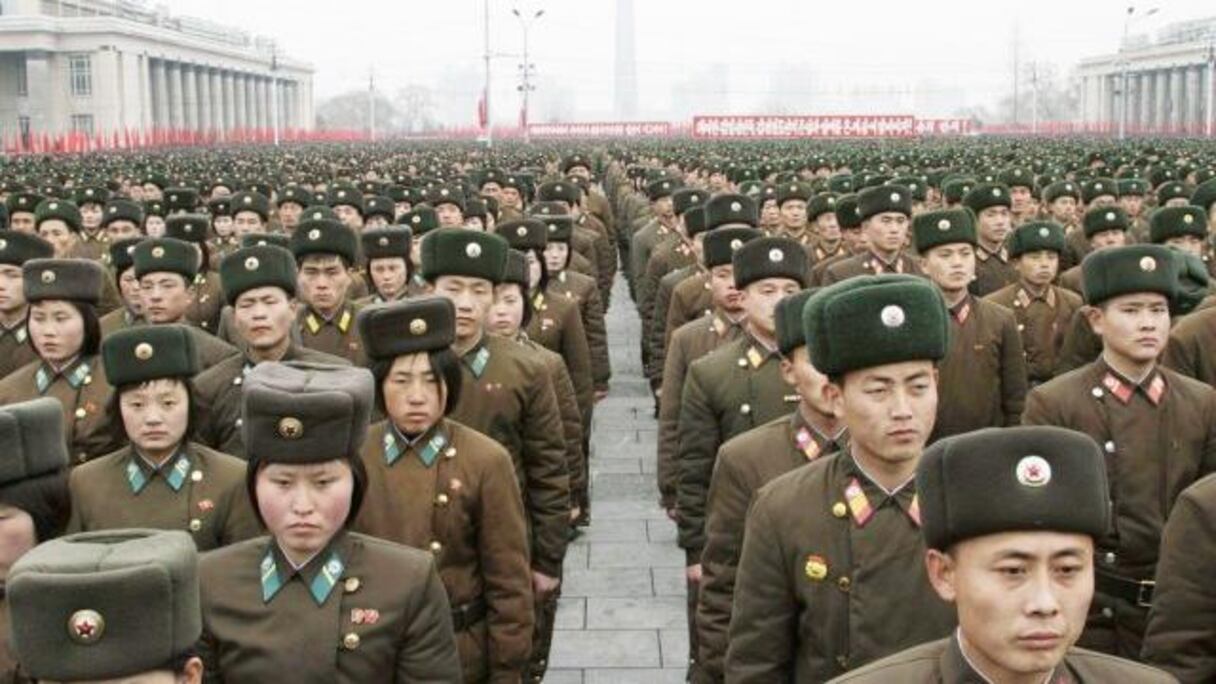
1044,232
416,219
247,200
291,428
341,195
316,216
552,227
776,255
3,244
472,250
735,244
996,192
892,316
251,264
1188,218
383,242
418,327
158,252
53,206
1110,216
113,210
144,351
735,206
86,627
521,231
895,197
48,277
1148,264
443,192
314,234
943,224
1033,471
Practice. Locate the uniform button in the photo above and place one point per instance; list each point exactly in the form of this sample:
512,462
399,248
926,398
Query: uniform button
1109,446
742,363
442,499
839,509
436,547
351,641
1108,613
82,457
236,380
745,409
239,422
450,453
81,414
196,476
845,584
1109,558
88,379
196,525
351,584
1021,327
843,661
1097,392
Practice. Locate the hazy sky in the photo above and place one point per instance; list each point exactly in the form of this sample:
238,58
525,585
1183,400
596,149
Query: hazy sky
711,57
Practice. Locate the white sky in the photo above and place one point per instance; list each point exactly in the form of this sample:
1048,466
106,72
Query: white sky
751,56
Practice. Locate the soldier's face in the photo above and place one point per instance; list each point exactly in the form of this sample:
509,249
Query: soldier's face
222,225
722,289
377,221
304,506
1064,209
1177,202
349,216
1191,244
62,238
793,214
414,396
951,267
994,225
557,254
1022,198
1133,326
887,232
1022,598
472,298
57,330
17,536
1132,204
12,289
155,415
152,192
509,197
760,301
808,381
388,276
491,190
890,410
164,297
663,208
1038,268
770,215
828,226
90,216
246,222
449,215
128,287
1108,238
507,313
22,222
263,317
323,282
121,229
855,239
289,214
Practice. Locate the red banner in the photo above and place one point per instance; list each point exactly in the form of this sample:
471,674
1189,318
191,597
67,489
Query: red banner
640,129
754,127
943,126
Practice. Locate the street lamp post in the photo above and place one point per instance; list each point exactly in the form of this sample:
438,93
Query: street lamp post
525,87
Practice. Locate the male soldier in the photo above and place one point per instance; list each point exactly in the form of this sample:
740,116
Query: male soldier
885,212
829,240
21,211
1020,573
1157,425
511,400
118,605
389,270
734,389
58,222
420,220
662,223
166,270
250,213
1043,310
91,199
982,380
1184,229
1095,194
749,461
16,249
121,219
1020,182
671,250
260,286
990,202
852,239
291,205
325,253
347,204
694,298
378,212
792,199
208,301
1060,203
1132,192
1102,227
449,206
823,540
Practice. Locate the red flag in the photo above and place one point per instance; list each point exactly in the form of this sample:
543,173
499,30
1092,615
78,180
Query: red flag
481,112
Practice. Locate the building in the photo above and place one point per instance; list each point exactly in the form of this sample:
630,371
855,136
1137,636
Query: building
1168,83
114,67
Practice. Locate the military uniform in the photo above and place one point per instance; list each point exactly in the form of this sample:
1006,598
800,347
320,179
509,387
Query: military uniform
690,300
204,311
333,336
82,390
583,290
993,271
557,325
15,348
15,250
1042,321
659,334
1190,345
868,263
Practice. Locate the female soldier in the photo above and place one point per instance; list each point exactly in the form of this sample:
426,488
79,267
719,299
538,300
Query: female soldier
314,602
387,251
435,484
162,479
65,333
33,495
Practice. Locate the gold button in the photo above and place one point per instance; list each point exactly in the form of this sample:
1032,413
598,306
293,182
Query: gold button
745,409
236,380
442,499
82,457
839,509
351,584
88,379
845,584
436,547
196,525
196,476
351,641
742,363
450,453
81,413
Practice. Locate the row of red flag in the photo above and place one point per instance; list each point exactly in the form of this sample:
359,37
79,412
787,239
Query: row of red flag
77,142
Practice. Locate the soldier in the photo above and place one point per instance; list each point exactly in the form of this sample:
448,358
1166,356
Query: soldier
885,212
16,249
122,263
325,253
1060,204
853,240
1144,416
1184,229
642,243
250,213
1132,192
208,301
350,608
982,380
260,286
289,207
33,495
734,389
991,204
162,479
1102,227
722,325
792,199
1020,573
121,219
694,298
746,463
66,336
563,283
420,220
347,204
822,538
21,211
514,404
449,206
167,269
437,485
58,222
107,607
829,239
566,196
389,269
223,241
1094,194
1023,205
1043,310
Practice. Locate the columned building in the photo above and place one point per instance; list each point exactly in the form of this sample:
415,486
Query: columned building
1162,87
101,67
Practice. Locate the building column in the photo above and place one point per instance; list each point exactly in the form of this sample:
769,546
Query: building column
204,100
1146,101
251,110
40,105
189,97
145,93
177,109
160,94
1194,99
238,100
229,101
1161,88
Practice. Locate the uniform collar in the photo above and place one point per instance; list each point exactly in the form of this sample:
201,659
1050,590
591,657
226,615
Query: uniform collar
959,313
19,332
173,471
821,253
1025,297
427,446
341,320
477,358
756,354
863,497
722,324
982,253
880,265
812,443
76,374
1153,387
320,574
957,668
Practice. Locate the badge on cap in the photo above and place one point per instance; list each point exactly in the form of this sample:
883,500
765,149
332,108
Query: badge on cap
895,197
251,264
316,216
523,230
383,242
144,351
1044,232
249,200
416,219
1034,471
472,250
48,277
158,252
314,234
291,428
943,224
1148,264
893,316
53,206
776,255
1187,218
1110,216
996,192
735,244
86,627
3,245
417,327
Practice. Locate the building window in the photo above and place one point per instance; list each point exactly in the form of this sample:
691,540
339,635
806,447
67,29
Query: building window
23,125
82,123
80,72
23,81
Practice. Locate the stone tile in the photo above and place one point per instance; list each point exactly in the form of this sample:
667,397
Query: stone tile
622,487
563,676
626,555
633,676
669,581
571,613
625,582
650,464
576,556
663,531
616,466
613,531
673,644
573,649
637,613
626,510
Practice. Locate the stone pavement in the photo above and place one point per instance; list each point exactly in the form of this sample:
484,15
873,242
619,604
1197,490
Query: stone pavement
622,612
